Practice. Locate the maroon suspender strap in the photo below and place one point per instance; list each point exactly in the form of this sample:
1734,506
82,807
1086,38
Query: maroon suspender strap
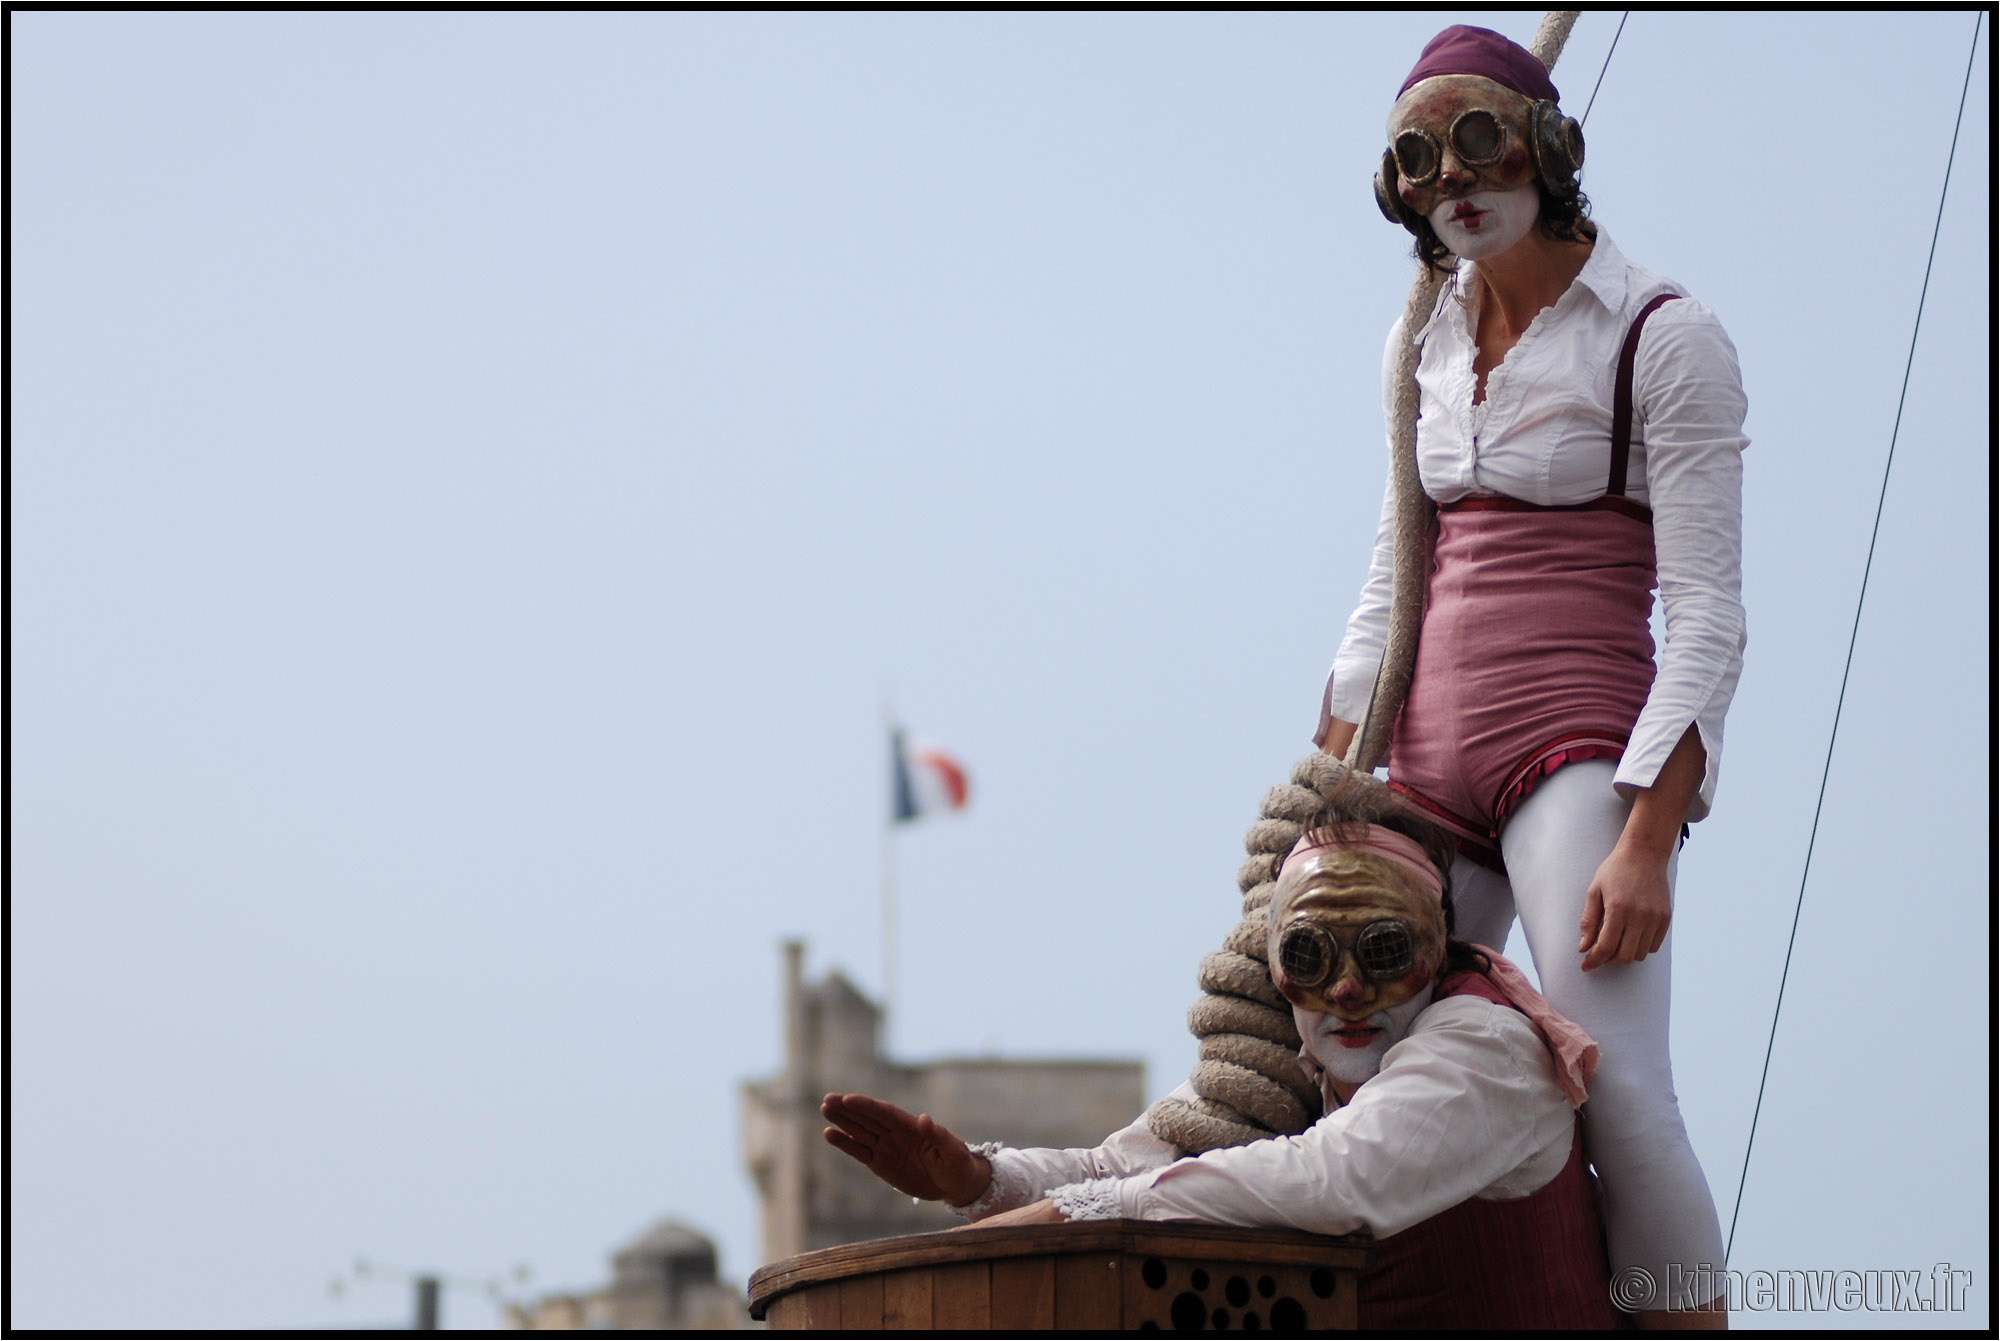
1621,397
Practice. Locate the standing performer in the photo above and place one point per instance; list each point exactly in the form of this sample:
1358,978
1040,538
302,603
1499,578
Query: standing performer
1581,431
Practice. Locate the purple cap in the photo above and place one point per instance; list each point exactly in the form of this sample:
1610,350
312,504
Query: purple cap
1464,50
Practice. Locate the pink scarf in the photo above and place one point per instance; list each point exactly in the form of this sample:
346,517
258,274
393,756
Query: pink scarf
1575,1052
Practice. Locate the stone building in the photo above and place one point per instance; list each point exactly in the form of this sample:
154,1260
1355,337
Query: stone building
814,1196
662,1281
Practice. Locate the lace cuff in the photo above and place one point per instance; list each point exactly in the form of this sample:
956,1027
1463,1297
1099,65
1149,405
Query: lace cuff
1093,1200
1008,1189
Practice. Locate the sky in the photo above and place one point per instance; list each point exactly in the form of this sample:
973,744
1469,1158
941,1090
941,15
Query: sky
479,480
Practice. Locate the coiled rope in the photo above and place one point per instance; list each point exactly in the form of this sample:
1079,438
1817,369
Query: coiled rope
1248,1079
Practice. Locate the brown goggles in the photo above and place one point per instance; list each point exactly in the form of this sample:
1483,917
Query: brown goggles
1476,136
1311,954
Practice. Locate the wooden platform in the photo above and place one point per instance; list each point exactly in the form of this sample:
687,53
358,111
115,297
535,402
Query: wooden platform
1102,1275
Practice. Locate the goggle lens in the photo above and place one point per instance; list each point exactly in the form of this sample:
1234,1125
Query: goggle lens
1386,950
1477,137
1417,156
1310,956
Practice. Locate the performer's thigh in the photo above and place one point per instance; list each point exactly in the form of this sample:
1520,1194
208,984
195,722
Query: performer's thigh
1482,903
1659,1212
1553,844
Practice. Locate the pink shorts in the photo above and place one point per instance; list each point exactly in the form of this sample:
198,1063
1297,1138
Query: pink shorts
1536,651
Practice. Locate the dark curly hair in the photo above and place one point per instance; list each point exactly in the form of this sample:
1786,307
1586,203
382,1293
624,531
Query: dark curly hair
1565,219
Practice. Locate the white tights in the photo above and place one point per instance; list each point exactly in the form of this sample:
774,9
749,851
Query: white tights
1658,1212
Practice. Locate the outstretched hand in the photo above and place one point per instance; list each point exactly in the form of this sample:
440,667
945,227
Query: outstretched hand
911,1154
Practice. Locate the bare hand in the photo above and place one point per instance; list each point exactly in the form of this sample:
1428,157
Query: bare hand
1339,735
1628,907
1627,911
1041,1212
911,1154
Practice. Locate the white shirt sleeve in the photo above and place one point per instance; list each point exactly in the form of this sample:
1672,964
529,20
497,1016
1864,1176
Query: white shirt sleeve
1024,1176
1352,680
1689,393
1466,1106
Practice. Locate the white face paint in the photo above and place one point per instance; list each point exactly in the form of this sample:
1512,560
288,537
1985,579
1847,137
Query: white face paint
1352,1050
1486,223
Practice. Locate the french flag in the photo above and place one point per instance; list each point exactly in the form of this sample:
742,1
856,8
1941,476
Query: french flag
928,781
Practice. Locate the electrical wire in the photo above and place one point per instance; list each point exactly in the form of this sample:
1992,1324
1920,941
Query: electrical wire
1601,69
1852,637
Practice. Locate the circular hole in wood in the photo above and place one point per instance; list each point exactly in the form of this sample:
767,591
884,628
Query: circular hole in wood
1237,1291
1154,1273
1198,1278
1266,1286
1322,1282
1189,1313
1252,1323
1288,1315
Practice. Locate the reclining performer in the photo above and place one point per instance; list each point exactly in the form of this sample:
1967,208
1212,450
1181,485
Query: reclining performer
1450,1091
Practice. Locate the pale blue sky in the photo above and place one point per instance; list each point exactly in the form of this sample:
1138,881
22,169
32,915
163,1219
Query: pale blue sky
476,478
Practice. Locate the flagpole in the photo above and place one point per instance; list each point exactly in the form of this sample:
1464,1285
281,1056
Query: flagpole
888,930
889,884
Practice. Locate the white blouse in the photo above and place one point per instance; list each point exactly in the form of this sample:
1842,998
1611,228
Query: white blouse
1466,1106
1543,435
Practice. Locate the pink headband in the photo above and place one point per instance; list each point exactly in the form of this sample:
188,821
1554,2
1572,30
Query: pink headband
1384,843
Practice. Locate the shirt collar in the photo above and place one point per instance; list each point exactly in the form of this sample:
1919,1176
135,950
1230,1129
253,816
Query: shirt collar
1604,275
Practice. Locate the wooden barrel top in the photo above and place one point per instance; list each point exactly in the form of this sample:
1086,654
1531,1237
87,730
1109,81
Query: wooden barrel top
1274,1247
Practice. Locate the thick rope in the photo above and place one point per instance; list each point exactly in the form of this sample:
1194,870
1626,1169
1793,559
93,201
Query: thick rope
1415,514
1249,1082
1248,1079
1553,35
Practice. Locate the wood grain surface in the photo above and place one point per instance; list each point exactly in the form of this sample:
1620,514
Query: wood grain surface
1029,1277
